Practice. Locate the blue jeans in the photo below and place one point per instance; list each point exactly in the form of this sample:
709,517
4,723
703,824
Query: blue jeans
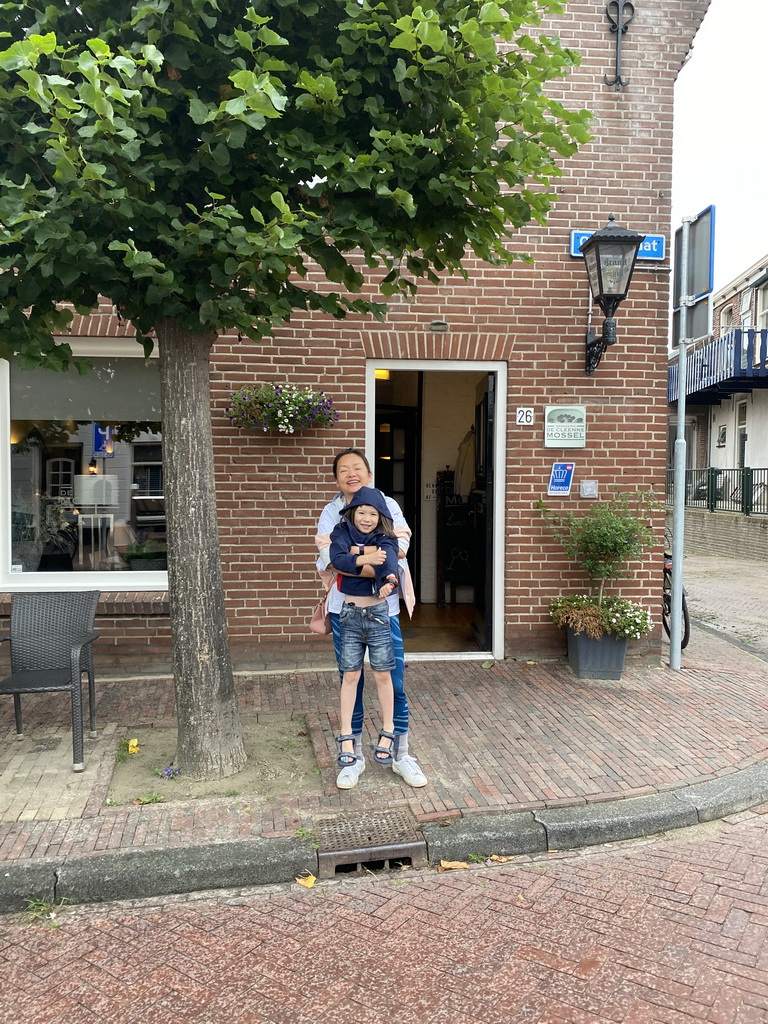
398,673
366,628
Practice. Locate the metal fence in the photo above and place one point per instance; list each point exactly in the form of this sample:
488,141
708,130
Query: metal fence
724,490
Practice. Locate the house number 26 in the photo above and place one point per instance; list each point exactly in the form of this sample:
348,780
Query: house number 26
524,416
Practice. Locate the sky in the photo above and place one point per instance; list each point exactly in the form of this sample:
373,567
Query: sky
721,133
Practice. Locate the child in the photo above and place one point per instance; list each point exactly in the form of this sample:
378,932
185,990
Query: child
365,536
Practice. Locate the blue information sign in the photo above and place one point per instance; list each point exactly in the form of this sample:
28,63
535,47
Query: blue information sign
103,444
653,247
561,478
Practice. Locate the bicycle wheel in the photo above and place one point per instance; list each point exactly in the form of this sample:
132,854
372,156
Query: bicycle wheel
666,603
666,612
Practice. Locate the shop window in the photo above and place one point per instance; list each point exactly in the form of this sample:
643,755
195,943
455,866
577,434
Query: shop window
73,464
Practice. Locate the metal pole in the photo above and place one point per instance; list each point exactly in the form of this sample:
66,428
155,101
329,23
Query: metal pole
678,520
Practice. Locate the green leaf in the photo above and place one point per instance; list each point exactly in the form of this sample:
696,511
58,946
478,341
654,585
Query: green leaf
199,111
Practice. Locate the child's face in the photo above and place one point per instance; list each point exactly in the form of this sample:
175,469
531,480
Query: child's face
366,518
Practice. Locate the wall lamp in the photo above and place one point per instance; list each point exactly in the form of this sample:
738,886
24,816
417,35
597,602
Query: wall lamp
92,467
610,255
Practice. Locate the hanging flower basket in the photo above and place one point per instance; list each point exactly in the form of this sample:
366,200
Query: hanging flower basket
280,408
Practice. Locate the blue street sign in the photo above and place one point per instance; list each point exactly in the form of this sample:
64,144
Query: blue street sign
103,444
652,248
561,478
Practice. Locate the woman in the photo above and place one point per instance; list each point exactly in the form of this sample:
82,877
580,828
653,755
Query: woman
352,471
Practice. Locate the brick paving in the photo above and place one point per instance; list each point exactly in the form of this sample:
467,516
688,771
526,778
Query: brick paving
516,736
664,931
730,596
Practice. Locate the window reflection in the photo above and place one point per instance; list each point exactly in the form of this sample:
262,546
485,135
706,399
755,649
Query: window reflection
66,516
86,469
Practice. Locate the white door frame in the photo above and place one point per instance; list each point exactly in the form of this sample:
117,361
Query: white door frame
499,477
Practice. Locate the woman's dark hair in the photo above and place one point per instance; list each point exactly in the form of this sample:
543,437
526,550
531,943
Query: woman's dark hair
385,523
351,451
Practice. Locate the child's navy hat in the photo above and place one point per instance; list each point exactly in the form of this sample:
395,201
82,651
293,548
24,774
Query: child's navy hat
370,496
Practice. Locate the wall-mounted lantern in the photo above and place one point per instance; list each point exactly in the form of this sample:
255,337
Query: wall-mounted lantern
609,256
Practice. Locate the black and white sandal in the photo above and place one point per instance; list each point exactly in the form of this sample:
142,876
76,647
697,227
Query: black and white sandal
383,755
345,758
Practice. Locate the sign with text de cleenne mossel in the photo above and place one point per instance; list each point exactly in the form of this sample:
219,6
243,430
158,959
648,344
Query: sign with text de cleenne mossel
653,247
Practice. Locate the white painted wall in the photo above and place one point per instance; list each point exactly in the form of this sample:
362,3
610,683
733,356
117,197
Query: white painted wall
726,415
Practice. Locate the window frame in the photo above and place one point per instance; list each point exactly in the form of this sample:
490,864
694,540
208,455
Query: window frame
105,580
761,319
726,311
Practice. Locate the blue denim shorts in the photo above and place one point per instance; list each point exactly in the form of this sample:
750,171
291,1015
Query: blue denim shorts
366,627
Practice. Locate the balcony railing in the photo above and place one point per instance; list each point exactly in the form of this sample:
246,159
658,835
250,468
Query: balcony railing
724,490
738,361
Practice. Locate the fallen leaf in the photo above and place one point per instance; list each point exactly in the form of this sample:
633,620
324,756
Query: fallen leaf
133,746
488,664
307,879
452,865
500,860
531,663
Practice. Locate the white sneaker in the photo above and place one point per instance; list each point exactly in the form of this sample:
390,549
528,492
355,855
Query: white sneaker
408,769
350,773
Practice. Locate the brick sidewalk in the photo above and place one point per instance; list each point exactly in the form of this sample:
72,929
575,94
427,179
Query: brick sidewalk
515,737
731,597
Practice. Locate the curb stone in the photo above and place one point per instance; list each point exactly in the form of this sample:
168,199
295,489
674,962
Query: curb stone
571,827
138,874
484,834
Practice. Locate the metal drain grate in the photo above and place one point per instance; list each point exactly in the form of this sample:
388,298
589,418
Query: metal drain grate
364,838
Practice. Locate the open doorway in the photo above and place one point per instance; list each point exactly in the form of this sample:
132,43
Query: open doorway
436,435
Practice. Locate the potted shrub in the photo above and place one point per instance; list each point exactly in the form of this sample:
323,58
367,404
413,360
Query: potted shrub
603,541
146,556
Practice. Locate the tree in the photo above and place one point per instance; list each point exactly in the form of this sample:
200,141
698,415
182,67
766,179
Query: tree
190,159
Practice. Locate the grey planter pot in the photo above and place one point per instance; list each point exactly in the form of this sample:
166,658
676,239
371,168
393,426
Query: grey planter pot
596,659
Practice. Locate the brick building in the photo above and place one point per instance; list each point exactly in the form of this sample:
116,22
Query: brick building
453,365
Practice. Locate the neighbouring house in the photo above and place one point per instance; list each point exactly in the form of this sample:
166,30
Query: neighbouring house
726,423
494,364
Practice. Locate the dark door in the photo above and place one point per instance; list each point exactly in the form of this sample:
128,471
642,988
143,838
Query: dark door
397,460
482,510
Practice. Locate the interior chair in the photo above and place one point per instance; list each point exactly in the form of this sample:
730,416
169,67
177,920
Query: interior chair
51,647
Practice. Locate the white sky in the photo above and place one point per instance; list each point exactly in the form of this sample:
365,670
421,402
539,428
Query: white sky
721,133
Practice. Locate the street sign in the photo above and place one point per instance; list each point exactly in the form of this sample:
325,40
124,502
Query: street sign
103,444
699,278
653,247
561,478
701,258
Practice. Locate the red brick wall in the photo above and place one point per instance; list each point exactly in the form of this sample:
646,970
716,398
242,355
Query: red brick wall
534,316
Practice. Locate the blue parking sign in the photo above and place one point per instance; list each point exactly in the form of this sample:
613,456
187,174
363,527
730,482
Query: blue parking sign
103,443
561,478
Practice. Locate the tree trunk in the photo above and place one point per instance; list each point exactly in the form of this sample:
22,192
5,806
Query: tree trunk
210,738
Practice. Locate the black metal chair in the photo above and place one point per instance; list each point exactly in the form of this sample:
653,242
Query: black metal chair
51,647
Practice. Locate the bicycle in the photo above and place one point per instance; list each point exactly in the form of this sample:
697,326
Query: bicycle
666,605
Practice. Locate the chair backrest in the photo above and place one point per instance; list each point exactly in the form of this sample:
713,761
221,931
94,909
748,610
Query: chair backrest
45,626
